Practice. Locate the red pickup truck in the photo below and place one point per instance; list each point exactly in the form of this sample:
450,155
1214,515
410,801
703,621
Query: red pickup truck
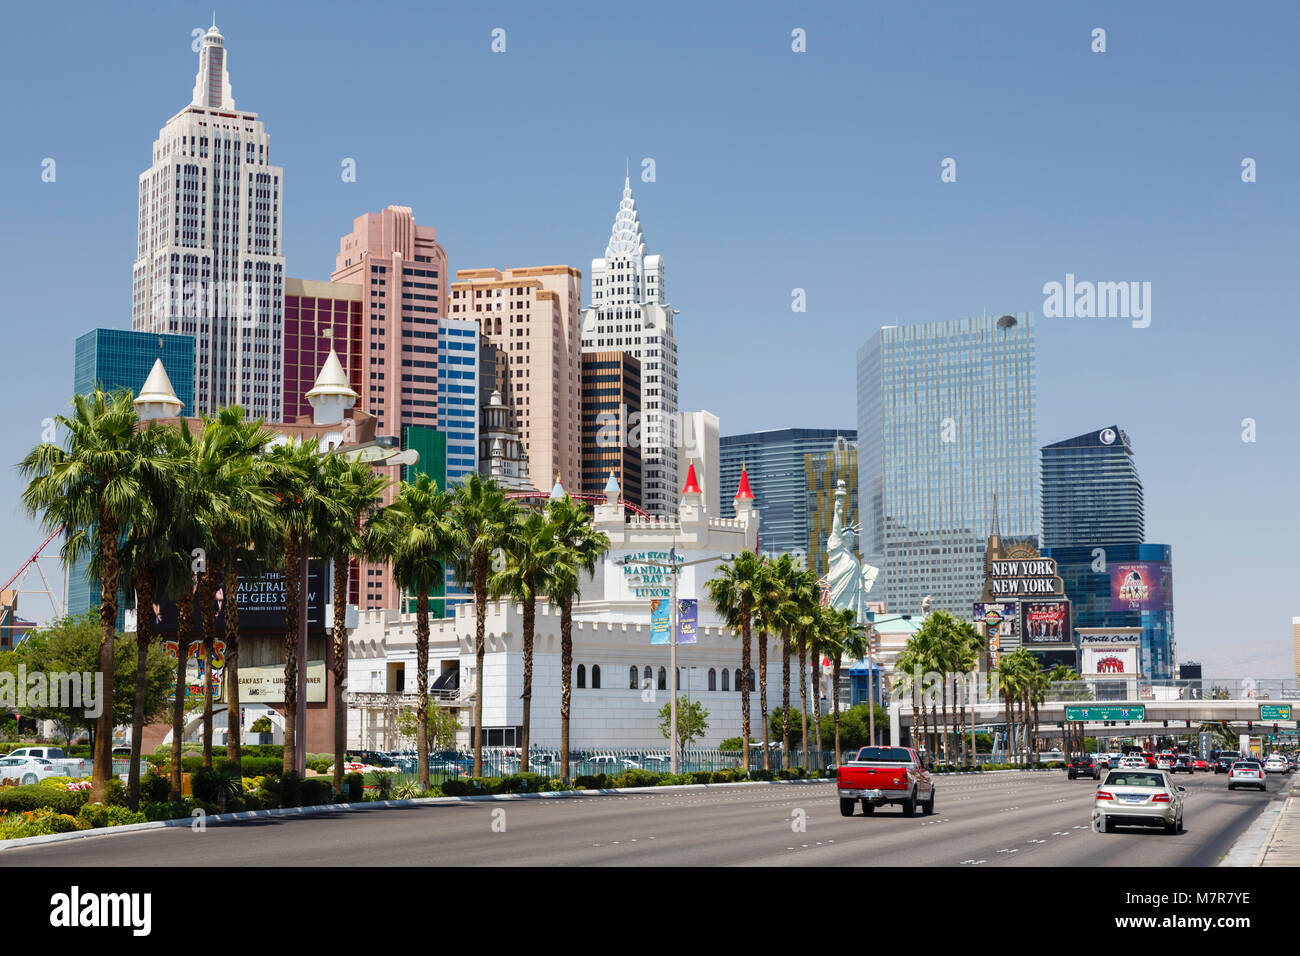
879,775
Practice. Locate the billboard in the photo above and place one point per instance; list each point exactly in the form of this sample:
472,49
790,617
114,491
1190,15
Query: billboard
1000,617
1141,586
1118,661
1045,622
261,603
265,685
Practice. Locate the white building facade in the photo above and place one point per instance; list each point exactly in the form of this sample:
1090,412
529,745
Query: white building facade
620,680
629,312
209,255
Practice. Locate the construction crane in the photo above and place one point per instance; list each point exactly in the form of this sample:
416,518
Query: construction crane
9,598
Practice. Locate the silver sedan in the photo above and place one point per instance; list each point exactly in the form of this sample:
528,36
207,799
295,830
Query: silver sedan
1138,797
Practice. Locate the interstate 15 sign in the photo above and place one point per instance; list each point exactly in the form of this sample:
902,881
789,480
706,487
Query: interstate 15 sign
1091,712
1274,711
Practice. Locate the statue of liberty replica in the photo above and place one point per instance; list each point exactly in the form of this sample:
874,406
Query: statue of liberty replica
849,580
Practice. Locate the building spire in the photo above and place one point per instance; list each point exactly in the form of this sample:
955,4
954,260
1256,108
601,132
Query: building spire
212,84
626,240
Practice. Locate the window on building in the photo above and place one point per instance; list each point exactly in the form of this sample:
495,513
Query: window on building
740,684
663,678
582,675
713,679
595,677
631,677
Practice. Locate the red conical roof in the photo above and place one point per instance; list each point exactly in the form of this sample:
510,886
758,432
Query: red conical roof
743,491
692,484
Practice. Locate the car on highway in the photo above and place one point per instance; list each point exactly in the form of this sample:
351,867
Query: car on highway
1199,764
1246,773
1084,765
1276,763
1182,763
26,770
1164,761
1102,760
1138,797
1132,762
1224,759
879,775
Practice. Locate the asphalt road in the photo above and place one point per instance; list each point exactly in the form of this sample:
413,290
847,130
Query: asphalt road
1005,819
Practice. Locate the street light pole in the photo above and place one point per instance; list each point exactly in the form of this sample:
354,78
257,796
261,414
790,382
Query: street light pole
672,662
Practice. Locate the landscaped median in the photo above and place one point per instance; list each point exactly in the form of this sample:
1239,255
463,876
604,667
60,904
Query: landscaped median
114,823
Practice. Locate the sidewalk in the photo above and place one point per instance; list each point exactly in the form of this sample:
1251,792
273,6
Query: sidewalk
1282,846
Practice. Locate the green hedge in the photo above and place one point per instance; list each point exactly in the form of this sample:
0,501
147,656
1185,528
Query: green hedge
354,785
34,797
95,815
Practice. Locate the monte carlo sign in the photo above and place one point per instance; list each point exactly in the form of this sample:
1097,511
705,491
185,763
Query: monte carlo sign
1025,578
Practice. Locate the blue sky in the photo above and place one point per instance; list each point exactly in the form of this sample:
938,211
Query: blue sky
775,170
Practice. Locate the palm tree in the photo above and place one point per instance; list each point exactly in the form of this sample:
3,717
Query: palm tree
966,651
792,580
906,666
769,616
852,641
357,491
529,554
96,483
481,519
735,592
420,542
803,618
577,550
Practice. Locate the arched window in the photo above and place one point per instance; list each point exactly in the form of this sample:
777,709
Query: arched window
595,677
753,684
582,675
631,677
663,678
726,679
647,676
713,679
740,684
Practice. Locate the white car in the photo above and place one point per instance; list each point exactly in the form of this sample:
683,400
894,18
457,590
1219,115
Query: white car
1276,764
604,761
656,761
1132,763
1246,773
26,770
1144,797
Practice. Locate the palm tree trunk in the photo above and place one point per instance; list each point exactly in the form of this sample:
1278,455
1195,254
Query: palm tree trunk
480,626
207,597
422,683
340,668
803,699
566,682
291,598
143,634
785,701
103,742
744,699
947,737
762,696
230,607
835,681
816,655
530,629
184,621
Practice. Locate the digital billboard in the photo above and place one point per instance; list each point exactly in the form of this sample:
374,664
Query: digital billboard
1141,586
1045,622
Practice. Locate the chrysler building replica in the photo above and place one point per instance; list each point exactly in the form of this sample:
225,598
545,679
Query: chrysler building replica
628,313
209,260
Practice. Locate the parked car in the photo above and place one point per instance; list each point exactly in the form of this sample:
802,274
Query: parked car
26,770
1142,797
1084,765
604,762
45,753
656,761
880,775
1246,773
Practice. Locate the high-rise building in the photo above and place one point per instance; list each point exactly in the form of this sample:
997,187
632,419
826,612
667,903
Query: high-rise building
775,461
318,317
1295,646
611,396
824,472
113,359
209,260
1093,527
698,442
946,421
1092,494
533,314
629,312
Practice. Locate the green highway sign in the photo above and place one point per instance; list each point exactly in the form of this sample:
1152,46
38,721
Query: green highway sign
1112,712
1274,711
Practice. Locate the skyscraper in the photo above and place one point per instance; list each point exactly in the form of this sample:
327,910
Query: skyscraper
629,312
318,317
209,261
946,420
824,472
611,395
1092,494
776,463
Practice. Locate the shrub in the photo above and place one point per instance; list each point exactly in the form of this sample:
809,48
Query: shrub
36,797
316,792
165,810
736,774
254,766
321,766
354,784
552,785
719,776
701,776
261,726
283,791
636,777
762,775
210,785
523,782
597,781
455,788
96,815
482,785
154,788
30,823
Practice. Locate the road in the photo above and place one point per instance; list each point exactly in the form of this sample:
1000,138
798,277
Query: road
1005,819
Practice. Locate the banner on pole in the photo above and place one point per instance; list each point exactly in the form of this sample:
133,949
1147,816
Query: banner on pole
688,618
660,620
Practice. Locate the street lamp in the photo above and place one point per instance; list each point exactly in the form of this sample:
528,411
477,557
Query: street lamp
673,566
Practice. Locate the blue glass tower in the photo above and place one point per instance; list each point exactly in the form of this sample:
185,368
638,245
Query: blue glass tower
1092,494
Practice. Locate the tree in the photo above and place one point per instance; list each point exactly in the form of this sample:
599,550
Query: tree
481,519
734,593
578,548
441,726
523,576
848,638
692,723
420,540
770,601
793,581
94,483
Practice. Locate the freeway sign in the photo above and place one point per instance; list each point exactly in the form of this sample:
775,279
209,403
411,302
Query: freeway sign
1274,711
1095,712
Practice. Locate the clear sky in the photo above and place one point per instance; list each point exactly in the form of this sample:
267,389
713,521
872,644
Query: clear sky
774,170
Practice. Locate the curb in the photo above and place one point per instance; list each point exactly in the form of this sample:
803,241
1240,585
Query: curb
1272,831
244,815
1250,848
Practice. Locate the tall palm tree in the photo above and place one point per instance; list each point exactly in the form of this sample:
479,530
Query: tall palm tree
96,482
528,557
769,616
966,651
910,663
805,608
792,580
735,592
357,491
851,641
577,550
481,518
420,542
